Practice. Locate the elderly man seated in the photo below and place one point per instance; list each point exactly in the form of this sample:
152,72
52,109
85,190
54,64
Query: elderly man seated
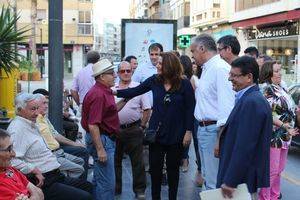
34,157
13,184
69,146
69,165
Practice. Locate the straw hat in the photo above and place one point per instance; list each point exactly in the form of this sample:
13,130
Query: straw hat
102,66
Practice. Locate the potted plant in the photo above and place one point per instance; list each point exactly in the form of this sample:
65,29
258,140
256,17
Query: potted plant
9,38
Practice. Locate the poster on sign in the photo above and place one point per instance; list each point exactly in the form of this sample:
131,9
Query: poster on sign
138,34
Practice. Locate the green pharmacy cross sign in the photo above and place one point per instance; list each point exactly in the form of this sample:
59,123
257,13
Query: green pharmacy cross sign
184,41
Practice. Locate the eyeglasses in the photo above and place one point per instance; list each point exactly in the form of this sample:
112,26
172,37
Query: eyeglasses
220,49
8,149
167,99
128,71
231,75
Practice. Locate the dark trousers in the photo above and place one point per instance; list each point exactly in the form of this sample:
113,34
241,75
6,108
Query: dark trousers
70,128
59,187
80,152
130,141
196,147
156,157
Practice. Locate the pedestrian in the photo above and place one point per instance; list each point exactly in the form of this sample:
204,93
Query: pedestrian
101,122
244,143
36,160
13,184
70,165
188,72
171,120
83,80
252,51
133,62
283,108
214,102
228,48
133,119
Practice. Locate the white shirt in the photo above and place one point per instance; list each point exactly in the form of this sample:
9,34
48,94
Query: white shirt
30,147
133,109
214,94
143,72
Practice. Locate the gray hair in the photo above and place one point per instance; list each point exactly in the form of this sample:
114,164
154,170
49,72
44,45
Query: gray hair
123,63
205,40
22,99
38,96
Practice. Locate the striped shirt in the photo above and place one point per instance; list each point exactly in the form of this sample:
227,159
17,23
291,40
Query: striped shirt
31,150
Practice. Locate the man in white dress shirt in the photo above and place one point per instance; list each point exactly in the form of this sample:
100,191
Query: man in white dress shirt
214,102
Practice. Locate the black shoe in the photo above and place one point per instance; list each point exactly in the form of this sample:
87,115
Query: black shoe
164,180
280,196
118,192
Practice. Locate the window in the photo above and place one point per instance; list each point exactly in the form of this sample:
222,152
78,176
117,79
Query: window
214,14
205,15
199,17
84,23
218,14
216,5
41,14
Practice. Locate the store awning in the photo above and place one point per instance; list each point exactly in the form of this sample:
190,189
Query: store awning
279,17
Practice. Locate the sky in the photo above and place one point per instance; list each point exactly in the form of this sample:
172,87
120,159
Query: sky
113,10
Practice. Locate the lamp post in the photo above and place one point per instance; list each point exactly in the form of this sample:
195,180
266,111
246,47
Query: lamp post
41,57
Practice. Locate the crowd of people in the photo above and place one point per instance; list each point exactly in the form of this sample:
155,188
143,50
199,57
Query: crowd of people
235,109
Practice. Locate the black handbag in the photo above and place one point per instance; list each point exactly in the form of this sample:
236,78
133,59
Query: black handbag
149,136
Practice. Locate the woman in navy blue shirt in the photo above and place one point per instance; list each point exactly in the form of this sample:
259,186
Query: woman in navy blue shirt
173,109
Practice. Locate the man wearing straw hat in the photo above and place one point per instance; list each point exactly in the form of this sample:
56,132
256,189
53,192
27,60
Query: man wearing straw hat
101,122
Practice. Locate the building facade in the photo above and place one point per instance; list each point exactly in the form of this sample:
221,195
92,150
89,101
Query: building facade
111,41
273,27
77,32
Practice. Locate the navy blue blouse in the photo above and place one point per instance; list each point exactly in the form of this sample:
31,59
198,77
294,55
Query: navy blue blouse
173,110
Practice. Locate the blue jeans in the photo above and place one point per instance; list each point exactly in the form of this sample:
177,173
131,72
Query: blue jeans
207,138
104,173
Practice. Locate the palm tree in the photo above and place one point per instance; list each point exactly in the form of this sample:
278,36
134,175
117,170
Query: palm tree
9,37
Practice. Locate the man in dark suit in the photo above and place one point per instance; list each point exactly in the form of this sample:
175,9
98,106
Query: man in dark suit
245,141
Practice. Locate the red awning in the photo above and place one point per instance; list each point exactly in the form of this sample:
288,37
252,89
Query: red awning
290,15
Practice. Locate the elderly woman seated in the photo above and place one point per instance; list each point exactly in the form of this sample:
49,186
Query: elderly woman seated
13,184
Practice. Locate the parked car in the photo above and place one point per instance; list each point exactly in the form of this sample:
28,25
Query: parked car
294,91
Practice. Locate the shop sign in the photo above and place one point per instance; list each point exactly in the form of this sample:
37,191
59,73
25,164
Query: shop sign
272,32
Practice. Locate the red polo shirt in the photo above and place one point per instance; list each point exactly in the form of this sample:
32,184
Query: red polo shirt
99,108
12,182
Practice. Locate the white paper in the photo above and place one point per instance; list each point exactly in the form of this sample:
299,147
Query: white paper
240,193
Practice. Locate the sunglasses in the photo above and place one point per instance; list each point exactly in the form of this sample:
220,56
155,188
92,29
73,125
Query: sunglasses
167,99
8,149
128,71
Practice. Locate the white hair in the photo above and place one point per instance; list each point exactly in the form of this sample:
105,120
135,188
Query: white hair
38,96
123,63
22,99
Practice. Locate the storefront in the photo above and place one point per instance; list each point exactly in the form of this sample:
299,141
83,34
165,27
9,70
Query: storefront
281,42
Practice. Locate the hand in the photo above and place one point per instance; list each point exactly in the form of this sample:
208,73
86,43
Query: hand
77,144
187,138
227,191
217,150
21,197
102,155
293,131
39,176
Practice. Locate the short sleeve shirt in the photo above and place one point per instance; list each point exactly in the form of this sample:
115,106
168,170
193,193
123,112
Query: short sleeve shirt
12,182
99,108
